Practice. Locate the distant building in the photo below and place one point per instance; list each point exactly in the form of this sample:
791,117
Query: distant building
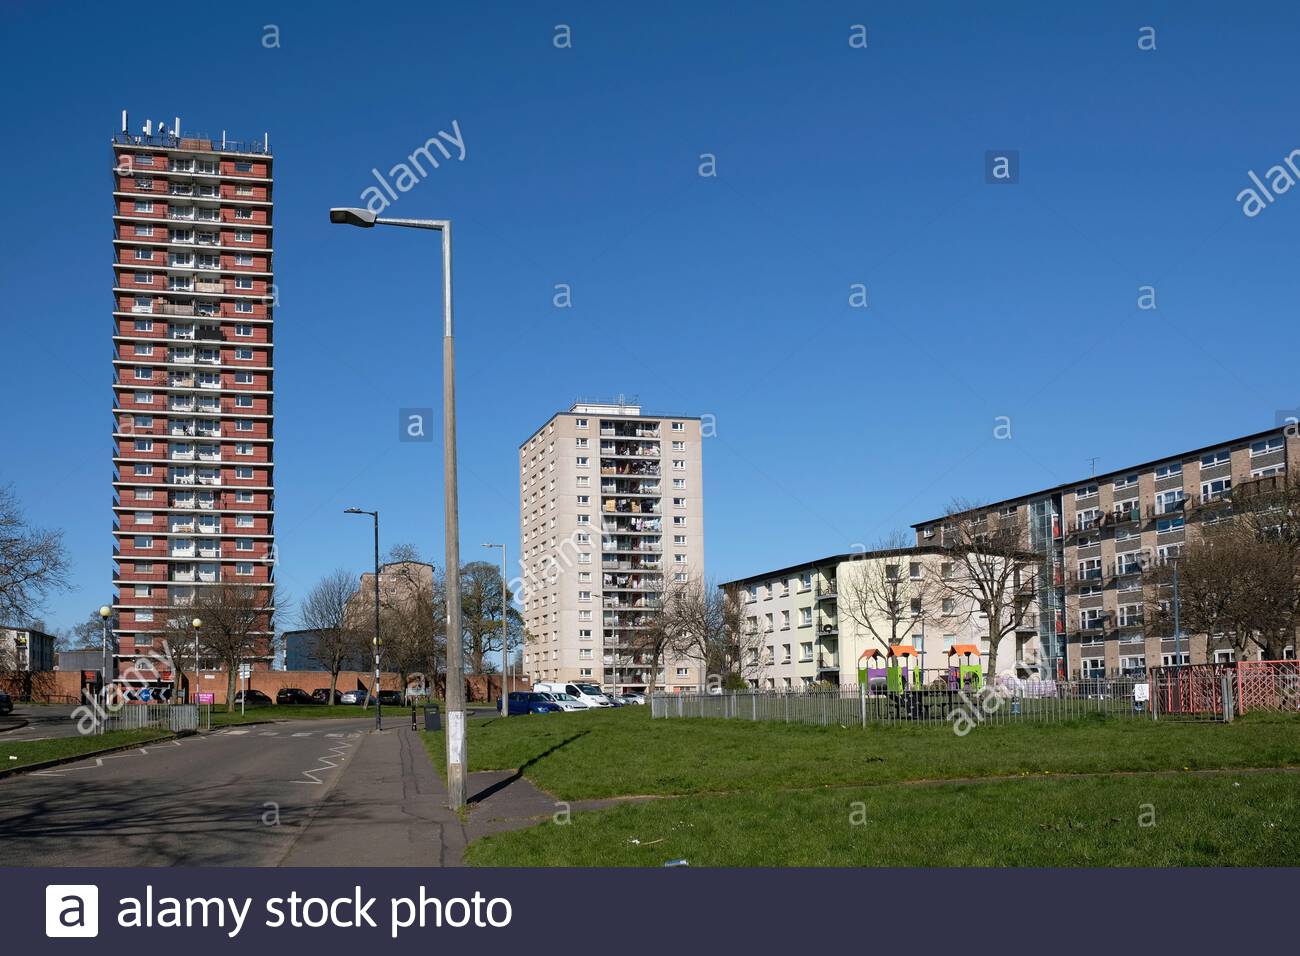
300,653
25,649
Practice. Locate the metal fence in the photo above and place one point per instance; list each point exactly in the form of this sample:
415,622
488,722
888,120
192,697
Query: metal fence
174,717
1222,691
1012,700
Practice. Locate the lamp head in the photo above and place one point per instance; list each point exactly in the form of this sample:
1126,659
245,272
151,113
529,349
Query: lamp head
196,623
351,216
105,612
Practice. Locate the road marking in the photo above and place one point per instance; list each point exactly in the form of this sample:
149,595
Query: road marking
306,733
327,762
99,761
269,733
234,733
333,735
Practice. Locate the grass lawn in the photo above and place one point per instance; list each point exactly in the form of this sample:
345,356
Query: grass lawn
783,795
265,712
35,751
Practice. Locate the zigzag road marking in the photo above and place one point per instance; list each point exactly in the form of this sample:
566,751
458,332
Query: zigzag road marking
99,761
325,763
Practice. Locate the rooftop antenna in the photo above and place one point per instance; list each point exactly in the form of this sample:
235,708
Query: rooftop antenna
123,121
1093,462
176,126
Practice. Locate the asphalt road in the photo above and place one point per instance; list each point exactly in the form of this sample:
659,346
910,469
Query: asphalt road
37,722
262,795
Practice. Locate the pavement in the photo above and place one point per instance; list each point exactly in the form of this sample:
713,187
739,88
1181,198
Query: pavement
320,792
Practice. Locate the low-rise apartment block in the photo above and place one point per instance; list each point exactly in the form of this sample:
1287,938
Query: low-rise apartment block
813,623
1095,538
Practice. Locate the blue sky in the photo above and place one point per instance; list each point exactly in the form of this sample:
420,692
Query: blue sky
725,296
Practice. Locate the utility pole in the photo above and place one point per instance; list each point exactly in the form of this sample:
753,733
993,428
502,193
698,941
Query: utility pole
505,631
379,717
1178,629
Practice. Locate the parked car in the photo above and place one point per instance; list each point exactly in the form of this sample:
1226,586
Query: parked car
6,704
322,696
294,695
251,697
531,702
615,700
588,694
391,698
634,698
566,701
354,697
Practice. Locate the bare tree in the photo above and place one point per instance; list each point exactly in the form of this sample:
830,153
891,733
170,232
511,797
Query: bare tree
480,590
991,568
402,552
887,592
413,624
234,617
33,563
1239,579
334,642
708,623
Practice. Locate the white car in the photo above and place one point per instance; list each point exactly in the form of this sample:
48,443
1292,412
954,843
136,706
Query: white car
634,698
565,701
588,694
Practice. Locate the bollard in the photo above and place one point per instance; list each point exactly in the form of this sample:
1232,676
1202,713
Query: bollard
413,724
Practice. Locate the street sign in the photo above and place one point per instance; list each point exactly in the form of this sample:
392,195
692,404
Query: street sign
145,694
245,671
205,698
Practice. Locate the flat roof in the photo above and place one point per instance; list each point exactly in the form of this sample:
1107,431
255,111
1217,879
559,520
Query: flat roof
571,413
1108,475
839,558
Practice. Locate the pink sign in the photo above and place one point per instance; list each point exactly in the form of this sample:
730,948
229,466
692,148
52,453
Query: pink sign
204,698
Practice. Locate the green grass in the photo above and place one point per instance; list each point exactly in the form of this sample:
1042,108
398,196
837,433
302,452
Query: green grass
29,752
766,794
622,752
1246,819
265,712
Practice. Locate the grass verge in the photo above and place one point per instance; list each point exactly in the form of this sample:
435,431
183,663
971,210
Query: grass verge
1242,819
622,752
23,753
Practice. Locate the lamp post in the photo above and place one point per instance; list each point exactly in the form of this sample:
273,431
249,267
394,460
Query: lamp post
1178,629
105,612
366,219
196,624
379,717
505,630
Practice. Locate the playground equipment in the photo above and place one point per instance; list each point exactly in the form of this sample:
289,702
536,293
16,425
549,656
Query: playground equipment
887,671
966,673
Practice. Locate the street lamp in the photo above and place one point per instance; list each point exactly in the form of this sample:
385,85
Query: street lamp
105,612
196,624
505,631
379,717
451,515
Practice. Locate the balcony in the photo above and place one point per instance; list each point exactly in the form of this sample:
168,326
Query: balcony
827,590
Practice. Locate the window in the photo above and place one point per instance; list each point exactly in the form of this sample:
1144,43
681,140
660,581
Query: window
243,401
678,426
679,502
144,541
243,521
244,473
1214,490
143,350
244,568
584,653
243,378
243,214
242,235
679,483
1130,615
1128,481
144,398
243,497
1085,491
243,544
583,461
143,205
1268,471
1090,569
805,581
1221,457
1172,660
243,425
949,606
584,499
142,160
1129,562
679,559
143,325
144,471
583,481
584,615
805,651
144,444
1091,619
143,421
679,539
144,517
683,672
584,634
1168,502
805,616
143,590
580,443
679,464
679,446
1266,446
142,616
244,331
785,620
679,521
144,278
1165,525
1169,469
243,448
580,423
144,373
245,307
243,259
243,166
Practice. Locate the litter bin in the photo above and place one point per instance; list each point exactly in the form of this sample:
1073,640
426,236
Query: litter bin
432,718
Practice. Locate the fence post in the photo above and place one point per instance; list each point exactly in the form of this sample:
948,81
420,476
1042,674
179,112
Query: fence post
862,704
753,706
1225,692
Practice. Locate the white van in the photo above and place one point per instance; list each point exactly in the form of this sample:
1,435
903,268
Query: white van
588,694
